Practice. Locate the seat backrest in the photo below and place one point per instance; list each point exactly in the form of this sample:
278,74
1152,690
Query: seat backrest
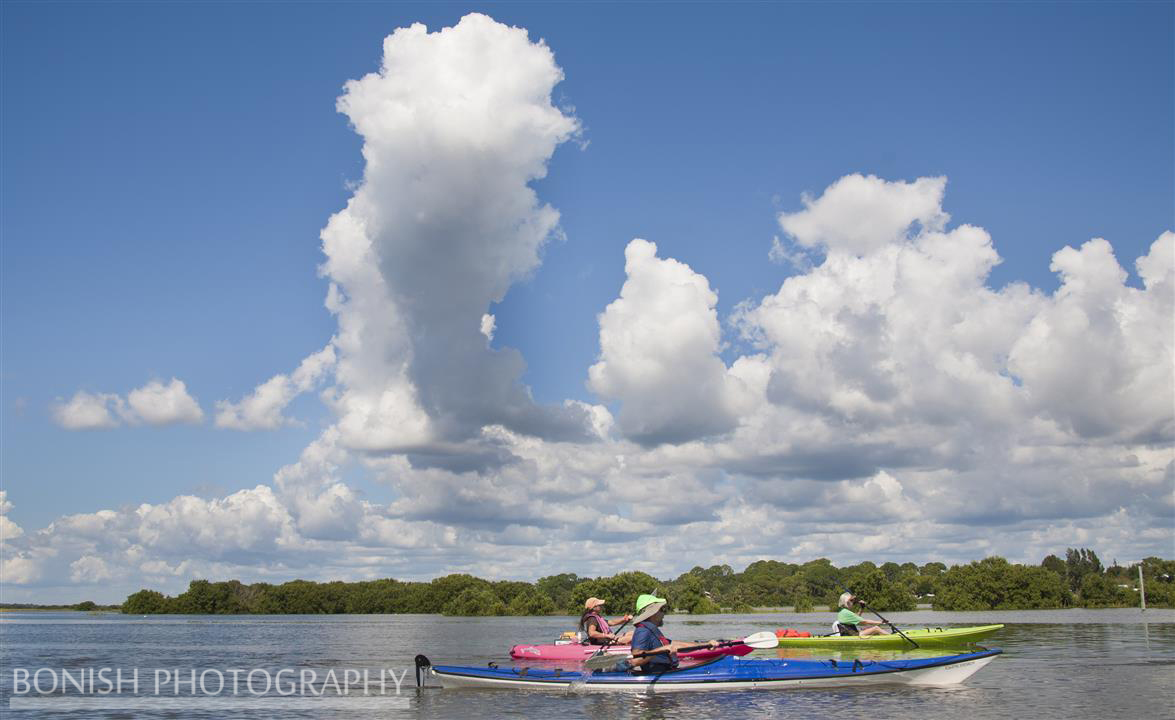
836,628
845,630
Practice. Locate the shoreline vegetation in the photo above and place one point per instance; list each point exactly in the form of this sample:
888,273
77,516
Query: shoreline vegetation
84,606
1078,580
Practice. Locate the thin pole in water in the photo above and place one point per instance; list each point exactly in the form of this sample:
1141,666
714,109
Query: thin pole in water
1141,588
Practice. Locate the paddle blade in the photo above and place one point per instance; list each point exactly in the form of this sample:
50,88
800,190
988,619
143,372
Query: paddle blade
602,661
762,640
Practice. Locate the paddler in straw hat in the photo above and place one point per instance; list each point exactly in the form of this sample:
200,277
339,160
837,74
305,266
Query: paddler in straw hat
651,650
598,631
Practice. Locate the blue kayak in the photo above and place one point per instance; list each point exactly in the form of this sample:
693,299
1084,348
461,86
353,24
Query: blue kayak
724,673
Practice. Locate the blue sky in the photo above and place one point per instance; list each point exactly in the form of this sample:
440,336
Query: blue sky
167,169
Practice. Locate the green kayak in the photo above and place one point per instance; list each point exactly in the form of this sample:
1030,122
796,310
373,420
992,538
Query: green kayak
925,637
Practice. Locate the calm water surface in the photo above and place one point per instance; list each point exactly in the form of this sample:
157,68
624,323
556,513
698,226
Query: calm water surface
1057,664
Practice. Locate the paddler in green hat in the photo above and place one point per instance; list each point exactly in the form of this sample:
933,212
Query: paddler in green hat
651,651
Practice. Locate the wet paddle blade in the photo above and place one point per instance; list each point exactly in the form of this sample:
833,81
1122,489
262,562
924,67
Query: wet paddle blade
578,683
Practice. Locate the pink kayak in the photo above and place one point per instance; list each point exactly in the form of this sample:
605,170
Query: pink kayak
582,651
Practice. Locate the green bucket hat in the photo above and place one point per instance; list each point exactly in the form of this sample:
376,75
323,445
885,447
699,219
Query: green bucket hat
644,601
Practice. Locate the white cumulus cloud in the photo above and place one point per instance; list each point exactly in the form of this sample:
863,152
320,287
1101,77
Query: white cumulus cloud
262,409
159,404
87,411
658,352
1097,357
9,530
155,403
858,214
488,324
89,569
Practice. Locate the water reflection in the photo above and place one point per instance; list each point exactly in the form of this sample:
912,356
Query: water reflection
1057,664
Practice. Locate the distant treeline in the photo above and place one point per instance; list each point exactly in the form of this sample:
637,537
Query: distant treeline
83,606
1078,580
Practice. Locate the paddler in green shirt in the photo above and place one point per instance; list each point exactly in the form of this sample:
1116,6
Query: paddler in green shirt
846,618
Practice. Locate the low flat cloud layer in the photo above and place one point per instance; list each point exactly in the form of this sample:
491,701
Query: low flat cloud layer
883,402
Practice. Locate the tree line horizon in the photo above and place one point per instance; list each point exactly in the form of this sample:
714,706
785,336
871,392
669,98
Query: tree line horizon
1078,580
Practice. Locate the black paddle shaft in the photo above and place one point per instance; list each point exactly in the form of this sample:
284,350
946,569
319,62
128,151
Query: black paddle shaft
691,648
891,625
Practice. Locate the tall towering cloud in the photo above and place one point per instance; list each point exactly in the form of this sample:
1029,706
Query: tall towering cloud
456,124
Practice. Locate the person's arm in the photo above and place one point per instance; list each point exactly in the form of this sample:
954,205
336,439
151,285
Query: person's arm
673,647
858,620
593,629
620,621
678,644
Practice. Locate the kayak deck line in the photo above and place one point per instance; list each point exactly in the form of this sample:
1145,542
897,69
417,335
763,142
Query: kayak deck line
723,673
